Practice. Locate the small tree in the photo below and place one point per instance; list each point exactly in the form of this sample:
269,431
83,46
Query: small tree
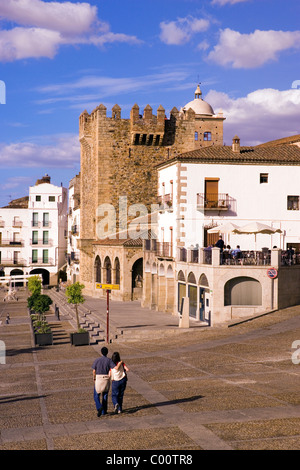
75,297
41,303
34,285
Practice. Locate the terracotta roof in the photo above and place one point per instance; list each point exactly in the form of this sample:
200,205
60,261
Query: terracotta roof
128,242
285,140
21,203
277,155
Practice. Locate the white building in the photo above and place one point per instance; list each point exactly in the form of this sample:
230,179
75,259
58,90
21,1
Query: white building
73,266
33,232
211,187
217,185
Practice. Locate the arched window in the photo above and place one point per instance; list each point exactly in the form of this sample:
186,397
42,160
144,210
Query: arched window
192,279
242,291
203,280
107,266
97,269
117,270
207,136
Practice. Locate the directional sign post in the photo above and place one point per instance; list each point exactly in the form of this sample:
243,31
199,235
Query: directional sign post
108,288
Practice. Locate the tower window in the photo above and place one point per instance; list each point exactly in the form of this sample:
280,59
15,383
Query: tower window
264,177
293,203
196,135
207,136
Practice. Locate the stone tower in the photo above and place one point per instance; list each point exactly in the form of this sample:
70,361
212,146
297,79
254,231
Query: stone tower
118,157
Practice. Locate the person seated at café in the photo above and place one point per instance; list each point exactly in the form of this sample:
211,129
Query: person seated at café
237,253
226,254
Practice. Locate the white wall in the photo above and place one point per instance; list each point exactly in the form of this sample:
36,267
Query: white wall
255,201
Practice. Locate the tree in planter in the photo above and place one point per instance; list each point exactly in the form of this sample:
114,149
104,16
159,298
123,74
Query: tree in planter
35,288
41,303
75,297
34,285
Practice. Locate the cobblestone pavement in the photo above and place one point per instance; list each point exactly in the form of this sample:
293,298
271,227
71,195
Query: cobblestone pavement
203,389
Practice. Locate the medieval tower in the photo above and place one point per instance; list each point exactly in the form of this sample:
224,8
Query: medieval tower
118,157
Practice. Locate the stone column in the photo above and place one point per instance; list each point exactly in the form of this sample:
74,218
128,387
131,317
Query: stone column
215,256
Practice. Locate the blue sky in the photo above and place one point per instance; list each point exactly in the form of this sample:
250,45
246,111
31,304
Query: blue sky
60,58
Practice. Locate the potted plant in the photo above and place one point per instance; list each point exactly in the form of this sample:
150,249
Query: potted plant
74,296
40,304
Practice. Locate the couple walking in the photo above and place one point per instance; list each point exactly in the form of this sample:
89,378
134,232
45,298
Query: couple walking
106,371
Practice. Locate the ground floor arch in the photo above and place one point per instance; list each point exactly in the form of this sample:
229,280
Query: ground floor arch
17,272
137,278
44,273
243,290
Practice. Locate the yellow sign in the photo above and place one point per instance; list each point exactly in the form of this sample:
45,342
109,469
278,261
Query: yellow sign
108,286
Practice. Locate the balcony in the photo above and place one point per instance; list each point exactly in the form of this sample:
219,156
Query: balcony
17,224
41,242
215,202
160,249
41,261
13,262
165,203
5,242
74,230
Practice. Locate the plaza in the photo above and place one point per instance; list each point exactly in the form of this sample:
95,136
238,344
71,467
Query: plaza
232,387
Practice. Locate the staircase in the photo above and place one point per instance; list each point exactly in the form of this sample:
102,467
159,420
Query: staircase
92,321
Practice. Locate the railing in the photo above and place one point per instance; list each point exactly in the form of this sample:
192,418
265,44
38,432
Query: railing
5,242
182,254
165,202
13,262
247,258
220,202
207,258
164,249
290,258
48,261
40,242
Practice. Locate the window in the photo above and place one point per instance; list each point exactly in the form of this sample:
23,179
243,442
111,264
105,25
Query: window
35,237
207,136
35,218
263,178
38,198
34,255
51,198
46,219
45,238
196,135
293,203
45,256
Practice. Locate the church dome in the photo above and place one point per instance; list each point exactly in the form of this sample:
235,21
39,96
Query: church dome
199,105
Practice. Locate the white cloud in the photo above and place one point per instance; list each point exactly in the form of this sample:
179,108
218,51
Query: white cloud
262,115
15,181
181,31
61,150
43,27
225,2
21,43
254,49
65,17
104,86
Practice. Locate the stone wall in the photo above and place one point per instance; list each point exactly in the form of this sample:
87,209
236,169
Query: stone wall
118,158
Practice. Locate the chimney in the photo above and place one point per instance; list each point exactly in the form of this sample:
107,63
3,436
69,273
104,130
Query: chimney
236,147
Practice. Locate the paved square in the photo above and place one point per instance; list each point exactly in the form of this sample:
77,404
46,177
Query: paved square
212,389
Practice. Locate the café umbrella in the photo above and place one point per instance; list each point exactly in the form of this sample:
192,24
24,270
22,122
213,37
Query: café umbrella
227,228
255,228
